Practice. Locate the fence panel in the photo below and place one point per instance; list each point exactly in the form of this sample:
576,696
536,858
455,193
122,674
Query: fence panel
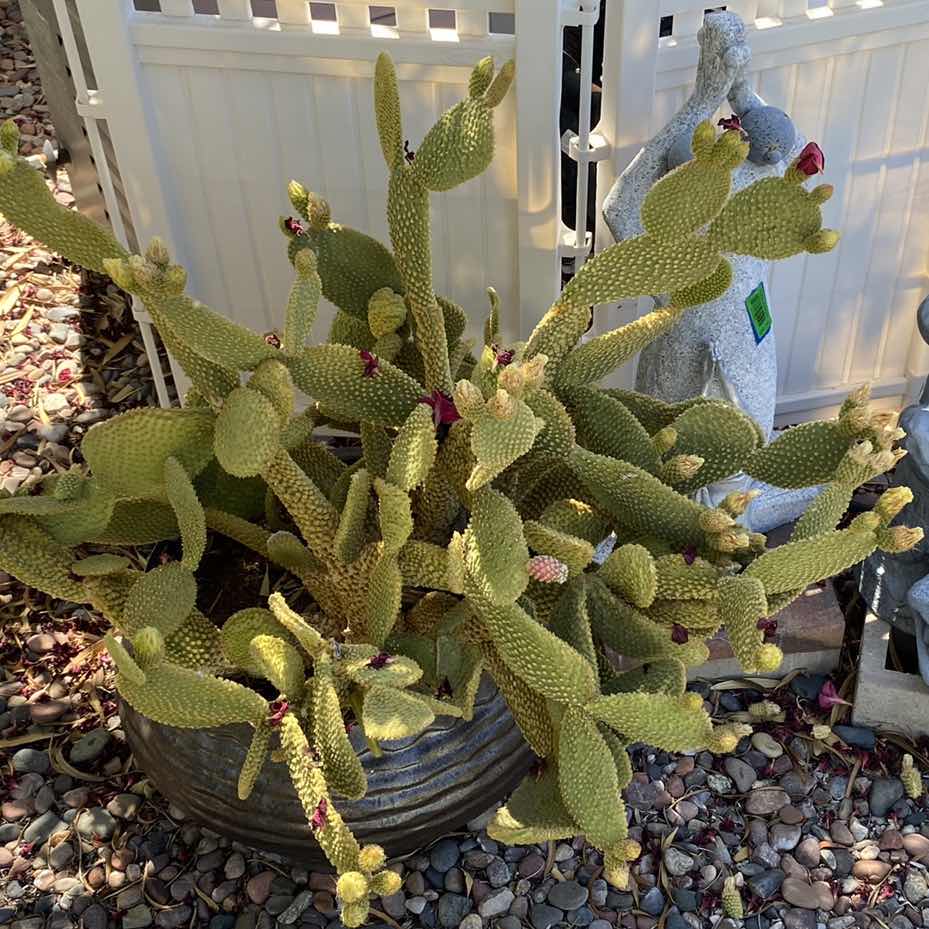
213,113
852,74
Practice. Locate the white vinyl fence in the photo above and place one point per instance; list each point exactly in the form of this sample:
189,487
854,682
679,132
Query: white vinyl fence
211,115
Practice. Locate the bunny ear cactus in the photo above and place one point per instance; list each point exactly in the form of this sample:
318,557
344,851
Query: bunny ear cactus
463,539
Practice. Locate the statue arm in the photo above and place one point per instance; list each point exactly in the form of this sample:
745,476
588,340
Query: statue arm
724,57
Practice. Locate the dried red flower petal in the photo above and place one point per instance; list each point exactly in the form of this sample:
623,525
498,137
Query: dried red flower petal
768,626
679,635
294,226
320,815
730,123
811,160
279,710
829,697
443,408
380,660
272,338
372,362
65,375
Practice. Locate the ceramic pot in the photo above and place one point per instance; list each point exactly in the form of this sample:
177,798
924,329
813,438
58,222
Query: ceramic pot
418,790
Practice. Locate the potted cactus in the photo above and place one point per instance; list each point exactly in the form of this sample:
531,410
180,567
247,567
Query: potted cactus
472,536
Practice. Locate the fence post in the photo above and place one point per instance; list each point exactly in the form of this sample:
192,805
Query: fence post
630,52
538,104
119,101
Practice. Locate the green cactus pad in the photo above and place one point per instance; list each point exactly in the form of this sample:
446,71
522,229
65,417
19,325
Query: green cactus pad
127,453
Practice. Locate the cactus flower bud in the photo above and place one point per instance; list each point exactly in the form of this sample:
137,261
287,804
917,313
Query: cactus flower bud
371,858
811,160
513,381
679,634
912,780
547,569
892,501
468,399
899,539
352,887
157,252
502,405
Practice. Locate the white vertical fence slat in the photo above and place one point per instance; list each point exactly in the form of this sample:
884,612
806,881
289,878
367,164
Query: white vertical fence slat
538,100
235,10
129,120
293,13
178,7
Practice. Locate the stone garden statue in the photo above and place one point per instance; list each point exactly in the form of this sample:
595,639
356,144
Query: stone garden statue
724,348
897,589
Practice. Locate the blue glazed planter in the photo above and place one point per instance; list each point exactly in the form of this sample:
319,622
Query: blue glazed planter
418,790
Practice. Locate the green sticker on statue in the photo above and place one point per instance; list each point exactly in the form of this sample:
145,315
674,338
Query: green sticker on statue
758,313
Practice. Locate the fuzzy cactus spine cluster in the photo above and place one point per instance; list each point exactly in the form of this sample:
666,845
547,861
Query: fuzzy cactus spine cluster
462,541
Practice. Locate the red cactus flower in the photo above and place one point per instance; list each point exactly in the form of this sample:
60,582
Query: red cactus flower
811,160
690,554
371,362
730,123
444,411
278,711
294,226
320,815
768,626
380,660
679,635
272,339
829,697
502,356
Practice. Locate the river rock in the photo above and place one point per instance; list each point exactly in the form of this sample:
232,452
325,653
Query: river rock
568,895
31,760
497,902
744,775
817,896
89,747
763,801
885,792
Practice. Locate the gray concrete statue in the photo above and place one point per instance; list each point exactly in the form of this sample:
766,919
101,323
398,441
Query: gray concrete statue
897,588
718,349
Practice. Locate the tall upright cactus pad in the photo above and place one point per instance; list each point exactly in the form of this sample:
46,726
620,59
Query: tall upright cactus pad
462,537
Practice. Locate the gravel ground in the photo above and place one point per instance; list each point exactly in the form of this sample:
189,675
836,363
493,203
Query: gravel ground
818,830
